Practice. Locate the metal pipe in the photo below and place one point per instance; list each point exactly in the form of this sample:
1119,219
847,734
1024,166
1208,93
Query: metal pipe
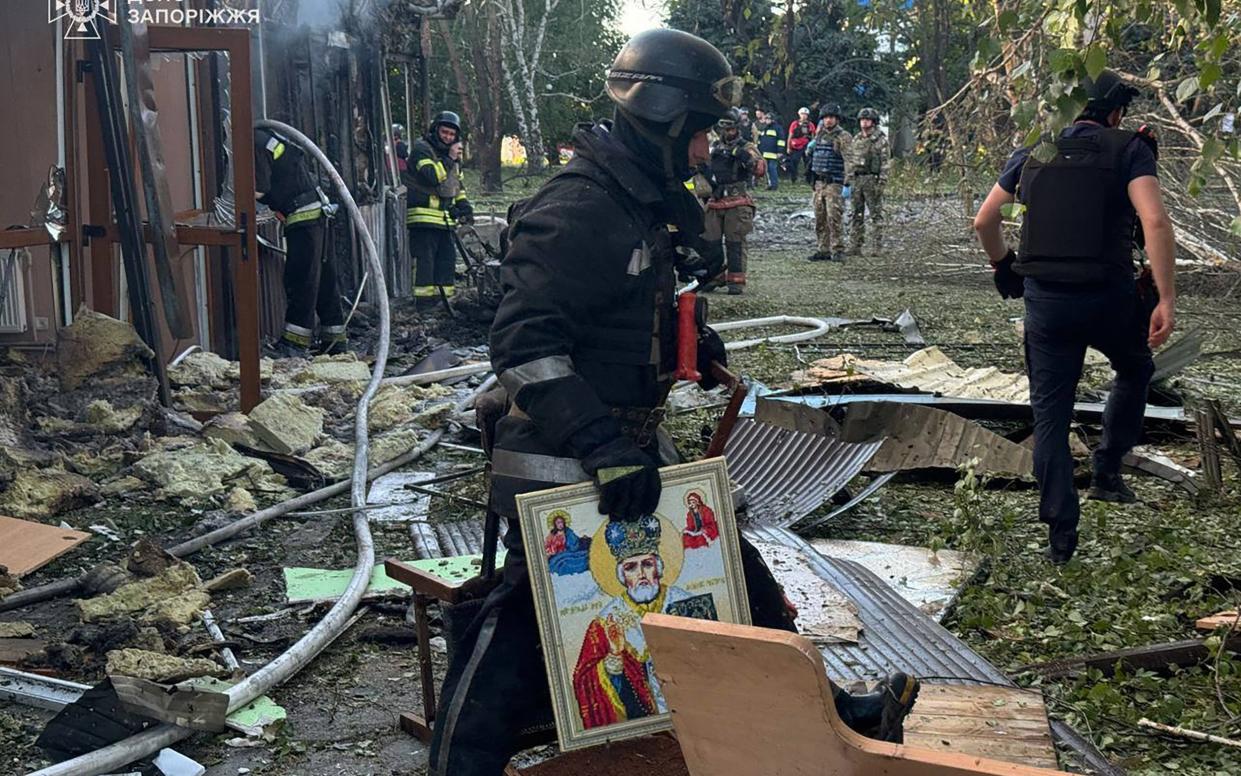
336,620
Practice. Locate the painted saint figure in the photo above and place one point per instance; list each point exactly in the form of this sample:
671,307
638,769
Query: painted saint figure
614,680
567,553
700,526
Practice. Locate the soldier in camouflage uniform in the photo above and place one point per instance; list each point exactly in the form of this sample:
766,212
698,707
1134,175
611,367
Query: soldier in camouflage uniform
867,174
724,184
828,153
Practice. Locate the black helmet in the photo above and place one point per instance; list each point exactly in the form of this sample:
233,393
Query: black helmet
833,109
730,119
445,118
868,113
662,76
1108,91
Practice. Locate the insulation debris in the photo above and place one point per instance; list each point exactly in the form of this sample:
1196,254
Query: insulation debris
96,346
232,428
262,717
343,368
174,595
44,493
16,630
929,369
200,470
286,424
158,667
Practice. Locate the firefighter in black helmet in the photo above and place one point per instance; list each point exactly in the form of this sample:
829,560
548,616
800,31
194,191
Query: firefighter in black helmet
285,183
1087,210
584,345
436,203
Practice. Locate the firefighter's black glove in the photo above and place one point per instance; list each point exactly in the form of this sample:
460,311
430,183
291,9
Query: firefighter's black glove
710,348
702,263
462,212
627,478
1007,282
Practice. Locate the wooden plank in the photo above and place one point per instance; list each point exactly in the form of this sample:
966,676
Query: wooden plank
652,756
16,650
712,671
1221,620
1156,657
26,546
998,722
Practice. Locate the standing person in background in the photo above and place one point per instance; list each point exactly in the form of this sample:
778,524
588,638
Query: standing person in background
436,203
801,132
827,154
745,125
724,184
770,145
866,174
1087,209
401,147
284,182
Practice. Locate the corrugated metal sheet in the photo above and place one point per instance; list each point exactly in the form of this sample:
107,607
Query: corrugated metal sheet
929,369
443,540
786,474
895,635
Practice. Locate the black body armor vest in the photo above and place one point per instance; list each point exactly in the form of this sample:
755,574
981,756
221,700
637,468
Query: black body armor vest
1079,226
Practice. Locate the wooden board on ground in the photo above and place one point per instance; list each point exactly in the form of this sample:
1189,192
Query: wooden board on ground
26,546
1001,723
651,756
1221,620
16,650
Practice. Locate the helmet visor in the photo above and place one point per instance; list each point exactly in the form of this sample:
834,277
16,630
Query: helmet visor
727,91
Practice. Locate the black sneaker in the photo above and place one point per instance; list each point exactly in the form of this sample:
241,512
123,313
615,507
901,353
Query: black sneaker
1110,487
819,256
837,257
735,290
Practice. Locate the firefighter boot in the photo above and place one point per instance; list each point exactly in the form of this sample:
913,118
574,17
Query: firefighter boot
735,253
880,714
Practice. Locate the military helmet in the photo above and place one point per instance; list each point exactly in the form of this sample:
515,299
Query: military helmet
730,119
1108,91
833,109
868,113
663,76
445,118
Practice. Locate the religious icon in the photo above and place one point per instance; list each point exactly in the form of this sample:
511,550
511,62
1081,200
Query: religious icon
700,526
566,552
601,576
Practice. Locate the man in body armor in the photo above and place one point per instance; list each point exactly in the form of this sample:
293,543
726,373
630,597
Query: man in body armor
284,182
1086,210
866,174
436,202
584,344
827,153
724,184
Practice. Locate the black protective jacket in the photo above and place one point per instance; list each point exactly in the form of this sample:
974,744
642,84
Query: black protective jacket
586,322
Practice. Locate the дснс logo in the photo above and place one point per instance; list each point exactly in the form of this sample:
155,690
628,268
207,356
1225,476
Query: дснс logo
82,16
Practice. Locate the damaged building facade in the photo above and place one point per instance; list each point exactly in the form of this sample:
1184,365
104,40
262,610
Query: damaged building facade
213,260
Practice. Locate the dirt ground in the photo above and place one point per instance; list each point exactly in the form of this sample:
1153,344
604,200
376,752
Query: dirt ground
1144,573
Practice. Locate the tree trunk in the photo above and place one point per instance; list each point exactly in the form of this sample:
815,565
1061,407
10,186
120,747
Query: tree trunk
487,67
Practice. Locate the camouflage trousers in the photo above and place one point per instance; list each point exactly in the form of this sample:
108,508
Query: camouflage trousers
867,194
732,225
829,210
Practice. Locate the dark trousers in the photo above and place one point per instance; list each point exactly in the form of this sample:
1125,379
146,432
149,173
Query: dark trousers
496,686
435,260
1061,321
310,285
791,163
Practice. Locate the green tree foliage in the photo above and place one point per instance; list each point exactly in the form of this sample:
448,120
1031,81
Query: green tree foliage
805,53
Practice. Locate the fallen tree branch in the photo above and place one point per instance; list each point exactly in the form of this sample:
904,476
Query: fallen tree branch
1192,735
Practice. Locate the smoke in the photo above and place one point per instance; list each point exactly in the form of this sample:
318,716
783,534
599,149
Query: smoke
322,13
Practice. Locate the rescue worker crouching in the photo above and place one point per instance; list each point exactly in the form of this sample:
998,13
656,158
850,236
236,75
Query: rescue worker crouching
724,184
1086,210
584,343
436,203
283,181
827,154
866,176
